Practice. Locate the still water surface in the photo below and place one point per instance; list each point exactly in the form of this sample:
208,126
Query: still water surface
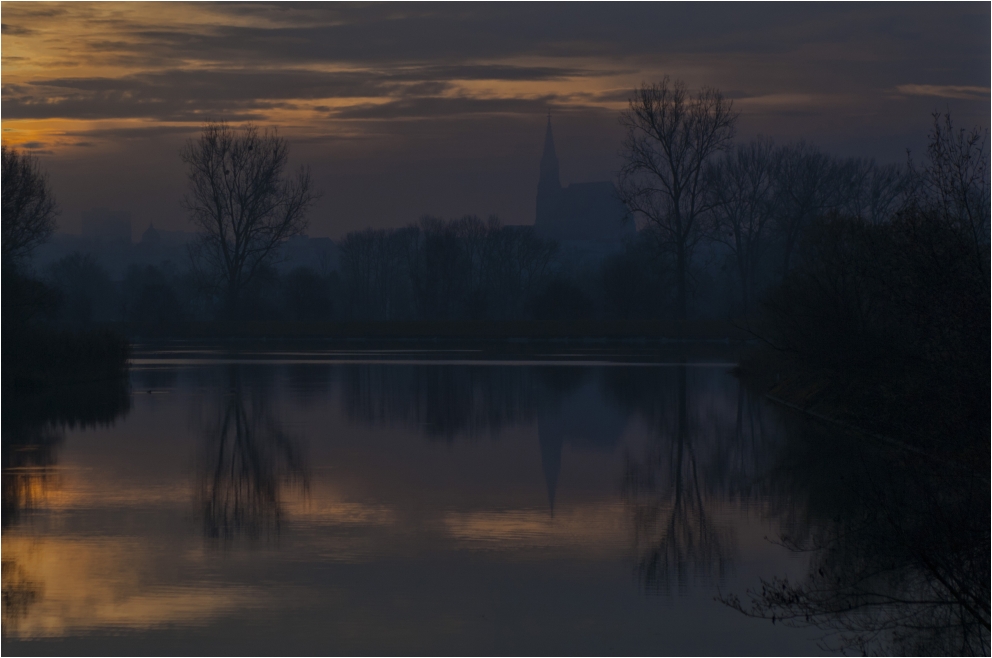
402,502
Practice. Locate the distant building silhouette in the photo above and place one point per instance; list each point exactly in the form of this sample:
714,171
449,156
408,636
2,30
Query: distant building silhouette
580,212
151,236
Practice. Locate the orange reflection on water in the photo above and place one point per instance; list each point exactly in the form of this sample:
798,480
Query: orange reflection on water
29,488
590,530
59,586
328,510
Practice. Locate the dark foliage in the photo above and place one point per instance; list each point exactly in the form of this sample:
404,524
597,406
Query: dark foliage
898,545
637,281
561,300
38,356
86,292
26,300
43,357
151,300
34,423
881,334
444,270
887,327
307,296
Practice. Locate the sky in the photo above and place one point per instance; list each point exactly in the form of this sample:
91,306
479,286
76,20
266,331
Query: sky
402,110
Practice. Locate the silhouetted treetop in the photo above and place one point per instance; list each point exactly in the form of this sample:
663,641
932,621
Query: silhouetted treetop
240,199
29,207
671,136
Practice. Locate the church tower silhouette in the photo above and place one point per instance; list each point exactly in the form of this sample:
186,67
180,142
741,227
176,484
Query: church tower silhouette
585,212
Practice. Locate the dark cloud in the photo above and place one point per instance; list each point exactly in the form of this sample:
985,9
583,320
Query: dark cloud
15,30
181,95
420,50
375,34
443,105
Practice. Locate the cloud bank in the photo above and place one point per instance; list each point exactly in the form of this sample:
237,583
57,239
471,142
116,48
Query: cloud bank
443,105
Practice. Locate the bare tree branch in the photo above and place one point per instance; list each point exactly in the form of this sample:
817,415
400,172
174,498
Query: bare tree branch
241,202
29,207
671,136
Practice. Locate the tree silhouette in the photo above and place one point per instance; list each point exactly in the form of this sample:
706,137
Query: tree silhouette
240,200
29,209
743,206
675,537
671,137
806,188
248,459
899,548
954,184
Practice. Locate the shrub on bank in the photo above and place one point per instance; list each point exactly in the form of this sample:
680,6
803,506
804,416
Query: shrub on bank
886,327
38,357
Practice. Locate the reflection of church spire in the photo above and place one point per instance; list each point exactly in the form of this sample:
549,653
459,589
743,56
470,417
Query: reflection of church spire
551,444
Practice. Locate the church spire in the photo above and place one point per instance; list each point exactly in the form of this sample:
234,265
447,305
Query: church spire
549,162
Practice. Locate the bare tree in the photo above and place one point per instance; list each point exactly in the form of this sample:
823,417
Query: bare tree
870,191
375,268
669,493
743,206
29,208
807,187
671,135
517,263
441,270
248,462
241,201
954,183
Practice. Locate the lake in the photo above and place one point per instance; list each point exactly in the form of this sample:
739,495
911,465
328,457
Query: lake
405,501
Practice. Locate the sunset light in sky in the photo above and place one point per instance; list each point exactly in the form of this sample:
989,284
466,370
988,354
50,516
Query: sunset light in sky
402,110
496,329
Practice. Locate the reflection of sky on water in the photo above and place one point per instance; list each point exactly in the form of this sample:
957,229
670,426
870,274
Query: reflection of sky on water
448,507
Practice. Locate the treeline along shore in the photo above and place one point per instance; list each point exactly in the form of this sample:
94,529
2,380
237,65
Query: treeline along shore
836,262
854,296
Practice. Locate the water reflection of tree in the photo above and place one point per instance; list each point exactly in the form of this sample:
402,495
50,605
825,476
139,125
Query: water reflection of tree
675,536
33,429
20,592
442,401
899,546
28,469
248,459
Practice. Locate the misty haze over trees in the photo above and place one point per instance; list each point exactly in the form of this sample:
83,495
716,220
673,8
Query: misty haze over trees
724,227
727,223
869,284
36,353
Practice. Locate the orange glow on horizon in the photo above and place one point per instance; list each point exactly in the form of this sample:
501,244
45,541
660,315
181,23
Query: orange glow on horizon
80,56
